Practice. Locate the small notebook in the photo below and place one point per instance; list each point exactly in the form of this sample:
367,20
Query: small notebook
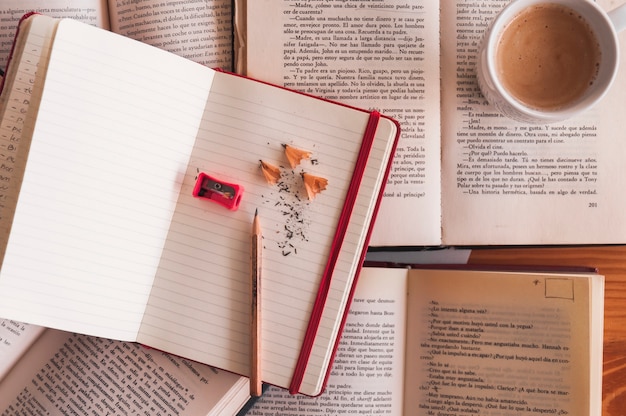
104,236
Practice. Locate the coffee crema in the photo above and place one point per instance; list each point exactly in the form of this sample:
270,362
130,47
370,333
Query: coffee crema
547,56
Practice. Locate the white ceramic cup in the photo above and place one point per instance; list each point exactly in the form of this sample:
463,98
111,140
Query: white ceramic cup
605,27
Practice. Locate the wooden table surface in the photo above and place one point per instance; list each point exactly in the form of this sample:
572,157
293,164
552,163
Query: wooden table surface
611,262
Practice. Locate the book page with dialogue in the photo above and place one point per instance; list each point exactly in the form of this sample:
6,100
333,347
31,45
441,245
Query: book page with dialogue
66,373
199,306
92,12
200,30
105,169
511,183
378,54
505,344
368,372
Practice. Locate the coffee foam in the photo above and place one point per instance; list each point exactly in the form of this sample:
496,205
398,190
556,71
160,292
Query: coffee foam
547,56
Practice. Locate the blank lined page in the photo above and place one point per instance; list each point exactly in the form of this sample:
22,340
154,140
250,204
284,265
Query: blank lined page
116,126
200,306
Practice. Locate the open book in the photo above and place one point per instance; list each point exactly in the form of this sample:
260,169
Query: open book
67,373
506,343
463,174
199,30
103,236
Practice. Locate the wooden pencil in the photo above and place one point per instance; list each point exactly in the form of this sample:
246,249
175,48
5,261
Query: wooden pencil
255,301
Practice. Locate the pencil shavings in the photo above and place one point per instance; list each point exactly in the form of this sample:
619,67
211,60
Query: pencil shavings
313,184
271,172
295,155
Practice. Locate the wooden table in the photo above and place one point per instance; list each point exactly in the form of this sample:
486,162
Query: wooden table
611,262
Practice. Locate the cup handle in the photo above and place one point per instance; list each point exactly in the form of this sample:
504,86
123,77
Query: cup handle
618,17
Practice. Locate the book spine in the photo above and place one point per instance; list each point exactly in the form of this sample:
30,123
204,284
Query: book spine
24,17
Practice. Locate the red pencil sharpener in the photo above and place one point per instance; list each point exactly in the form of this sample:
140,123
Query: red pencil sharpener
226,194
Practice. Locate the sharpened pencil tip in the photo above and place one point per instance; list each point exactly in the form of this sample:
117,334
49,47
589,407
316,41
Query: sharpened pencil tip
256,212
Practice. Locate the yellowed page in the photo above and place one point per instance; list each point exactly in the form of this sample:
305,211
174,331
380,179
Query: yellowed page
93,12
504,343
509,183
200,30
380,55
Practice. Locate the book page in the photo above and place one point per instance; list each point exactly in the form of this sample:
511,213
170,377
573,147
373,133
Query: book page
505,344
93,12
109,150
15,339
368,373
511,183
203,278
67,373
199,30
382,55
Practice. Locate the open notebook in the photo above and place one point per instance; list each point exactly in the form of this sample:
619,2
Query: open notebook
106,237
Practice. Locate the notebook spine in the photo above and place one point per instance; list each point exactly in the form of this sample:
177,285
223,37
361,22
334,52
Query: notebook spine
342,227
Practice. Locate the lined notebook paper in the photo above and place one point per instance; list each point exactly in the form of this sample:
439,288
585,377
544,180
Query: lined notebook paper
108,240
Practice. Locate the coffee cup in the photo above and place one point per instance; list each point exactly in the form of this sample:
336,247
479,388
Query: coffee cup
543,61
